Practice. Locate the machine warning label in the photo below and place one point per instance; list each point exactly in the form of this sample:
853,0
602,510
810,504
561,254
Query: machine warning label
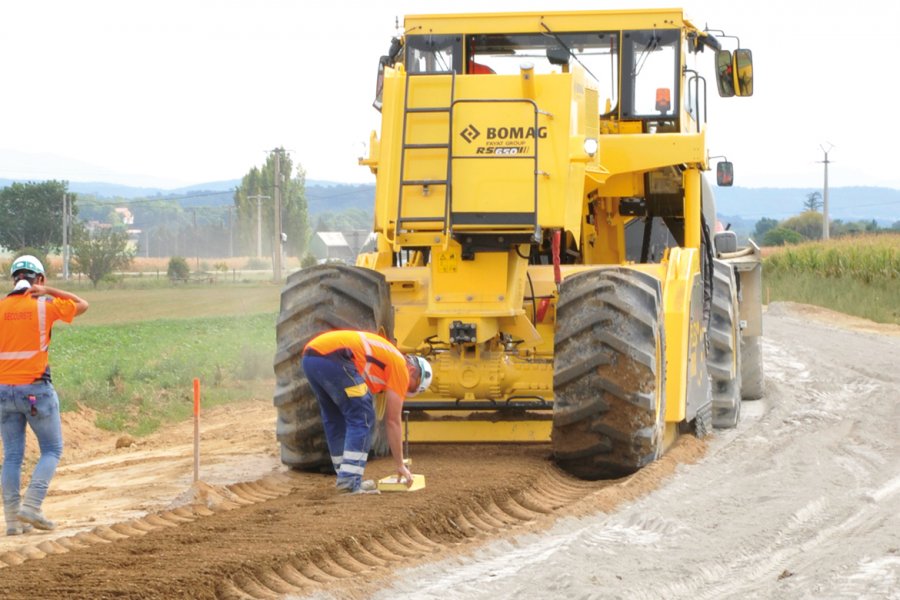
447,261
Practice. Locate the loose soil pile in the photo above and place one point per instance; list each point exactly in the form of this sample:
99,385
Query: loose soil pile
134,525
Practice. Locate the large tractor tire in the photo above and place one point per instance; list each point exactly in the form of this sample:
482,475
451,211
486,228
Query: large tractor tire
608,373
724,358
752,368
317,299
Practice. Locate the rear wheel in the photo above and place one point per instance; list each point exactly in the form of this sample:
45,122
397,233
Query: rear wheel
608,373
724,358
314,300
702,425
752,368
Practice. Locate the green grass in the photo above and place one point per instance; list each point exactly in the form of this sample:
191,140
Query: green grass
134,355
855,275
135,302
140,375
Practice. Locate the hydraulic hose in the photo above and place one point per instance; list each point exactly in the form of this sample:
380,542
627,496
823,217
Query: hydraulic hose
554,248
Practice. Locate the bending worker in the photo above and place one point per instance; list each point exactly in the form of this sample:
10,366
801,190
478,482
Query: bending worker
27,315
345,369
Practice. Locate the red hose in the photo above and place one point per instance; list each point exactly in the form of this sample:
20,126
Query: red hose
554,247
543,305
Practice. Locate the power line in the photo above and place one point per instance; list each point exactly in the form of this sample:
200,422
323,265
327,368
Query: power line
338,195
118,202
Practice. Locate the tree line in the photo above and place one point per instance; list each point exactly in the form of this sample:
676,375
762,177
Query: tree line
31,221
102,242
809,225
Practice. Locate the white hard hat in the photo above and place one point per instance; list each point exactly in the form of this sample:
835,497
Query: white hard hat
26,262
425,374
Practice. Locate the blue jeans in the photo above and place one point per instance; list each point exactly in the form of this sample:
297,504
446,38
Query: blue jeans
348,414
15,412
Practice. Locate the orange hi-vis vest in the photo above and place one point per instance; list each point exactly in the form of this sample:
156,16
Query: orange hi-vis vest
25,324
379,362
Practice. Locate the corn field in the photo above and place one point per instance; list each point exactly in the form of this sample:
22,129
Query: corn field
867,259
853,275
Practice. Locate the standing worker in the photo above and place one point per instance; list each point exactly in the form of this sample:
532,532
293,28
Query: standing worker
345,369
27,315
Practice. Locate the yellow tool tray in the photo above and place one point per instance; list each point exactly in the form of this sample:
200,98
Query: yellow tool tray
393,484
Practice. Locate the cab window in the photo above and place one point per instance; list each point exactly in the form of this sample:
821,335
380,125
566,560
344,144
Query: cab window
650,65
433,53
596,52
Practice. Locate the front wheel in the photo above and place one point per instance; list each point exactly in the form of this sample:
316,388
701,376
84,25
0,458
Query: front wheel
314,300
608,373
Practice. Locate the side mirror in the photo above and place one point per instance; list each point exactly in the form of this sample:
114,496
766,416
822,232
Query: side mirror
724,173
743,66
725,73
379,83
385,61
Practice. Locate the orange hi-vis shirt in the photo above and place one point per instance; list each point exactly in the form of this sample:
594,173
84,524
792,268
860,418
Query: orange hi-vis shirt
379,362
25,324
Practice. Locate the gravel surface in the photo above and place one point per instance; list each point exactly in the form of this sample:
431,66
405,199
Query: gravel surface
802,500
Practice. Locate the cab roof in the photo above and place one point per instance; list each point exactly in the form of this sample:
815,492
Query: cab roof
556,21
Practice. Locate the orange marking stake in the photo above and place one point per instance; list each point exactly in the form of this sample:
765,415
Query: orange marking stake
196,430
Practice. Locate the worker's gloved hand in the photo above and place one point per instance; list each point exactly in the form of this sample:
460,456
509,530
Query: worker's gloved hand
404,475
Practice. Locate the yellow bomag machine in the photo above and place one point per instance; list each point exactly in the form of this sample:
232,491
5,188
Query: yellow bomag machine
544,235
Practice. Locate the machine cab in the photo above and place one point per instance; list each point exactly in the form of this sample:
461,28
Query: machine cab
637,72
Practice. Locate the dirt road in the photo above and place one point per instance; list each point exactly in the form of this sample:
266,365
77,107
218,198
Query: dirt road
800,501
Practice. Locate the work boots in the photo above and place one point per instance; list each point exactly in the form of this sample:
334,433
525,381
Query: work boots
365,487
13,525
30,516
18,528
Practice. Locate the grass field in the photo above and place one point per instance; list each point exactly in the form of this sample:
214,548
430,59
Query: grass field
175,301
133,356
855,275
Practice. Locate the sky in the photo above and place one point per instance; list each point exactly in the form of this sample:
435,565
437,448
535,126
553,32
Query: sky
171,93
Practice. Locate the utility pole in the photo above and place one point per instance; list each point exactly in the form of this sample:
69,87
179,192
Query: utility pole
230,232
258,199
278,240
825,233
196,244
65,236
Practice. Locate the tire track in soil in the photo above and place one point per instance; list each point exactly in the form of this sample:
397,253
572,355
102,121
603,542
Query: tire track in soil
289,533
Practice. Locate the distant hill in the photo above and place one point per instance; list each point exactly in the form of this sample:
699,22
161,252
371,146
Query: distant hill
99,189
744,206
339,197
844,203
741,206
114,191
323,196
